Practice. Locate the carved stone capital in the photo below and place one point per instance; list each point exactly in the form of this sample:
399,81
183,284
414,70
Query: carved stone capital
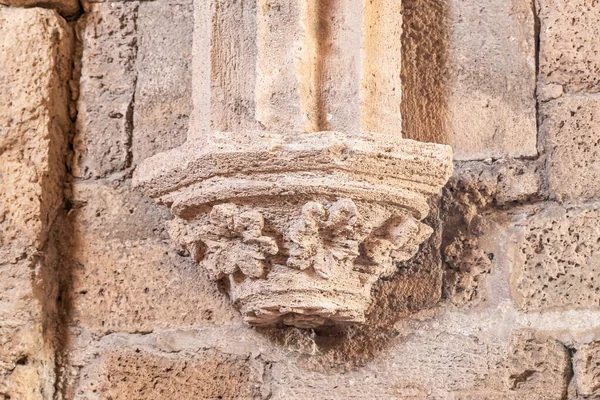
298,226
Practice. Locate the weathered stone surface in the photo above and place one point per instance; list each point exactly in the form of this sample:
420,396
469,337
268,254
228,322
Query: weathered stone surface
424,70
469,76
102,143
125,275
586,368
499,183
538,369
431,364
381,84
35,64
569,46
491,75
163,92
569,134
555,261
135,374
289,253
533,369
34,123
66,8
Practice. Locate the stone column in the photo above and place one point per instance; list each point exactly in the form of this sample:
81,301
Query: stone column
295,187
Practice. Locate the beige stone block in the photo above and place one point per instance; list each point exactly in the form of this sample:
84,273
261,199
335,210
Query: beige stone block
66,8
163,95
102,144
586,365
435,364
501,182
139,374
35,47
126,276
534,369
35,55
569,45
556,261
537,368
570,134
491,107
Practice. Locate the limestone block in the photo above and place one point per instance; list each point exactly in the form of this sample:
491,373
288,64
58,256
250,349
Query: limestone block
499,183
34,122
66,8
163,91
125,276
569,45
429,363
105,106
555,260
491,79
569,134
130,374
586,365
35,55
534,368
537,368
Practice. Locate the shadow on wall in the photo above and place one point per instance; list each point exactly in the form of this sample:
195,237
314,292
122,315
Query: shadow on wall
415,288
425,70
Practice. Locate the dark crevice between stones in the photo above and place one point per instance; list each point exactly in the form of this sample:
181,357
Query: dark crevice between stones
61,232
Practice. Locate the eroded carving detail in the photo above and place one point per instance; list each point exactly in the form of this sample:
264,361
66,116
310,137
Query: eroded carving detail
324,237
298,232
233,240
396,241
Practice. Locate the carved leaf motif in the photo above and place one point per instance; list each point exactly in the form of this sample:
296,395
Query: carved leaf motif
395,242
234,240
323,237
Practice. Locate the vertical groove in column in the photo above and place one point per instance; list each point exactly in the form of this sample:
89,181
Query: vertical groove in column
278,38
233,65
201,66
329,68
381,84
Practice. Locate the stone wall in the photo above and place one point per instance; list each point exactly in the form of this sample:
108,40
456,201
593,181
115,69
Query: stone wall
96,301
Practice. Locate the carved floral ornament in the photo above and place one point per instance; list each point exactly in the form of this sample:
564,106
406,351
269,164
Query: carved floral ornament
298,226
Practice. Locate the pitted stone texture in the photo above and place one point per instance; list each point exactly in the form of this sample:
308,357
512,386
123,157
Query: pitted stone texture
35,47
556,261
125,275
569,45
501,182
586,368
163,92
35,61
534,368
492,74
537,368
102,144
570,138
130,374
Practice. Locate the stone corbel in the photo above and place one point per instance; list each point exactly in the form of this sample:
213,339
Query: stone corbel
298,226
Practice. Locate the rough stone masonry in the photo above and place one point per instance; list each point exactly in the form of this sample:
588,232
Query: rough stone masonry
500,301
